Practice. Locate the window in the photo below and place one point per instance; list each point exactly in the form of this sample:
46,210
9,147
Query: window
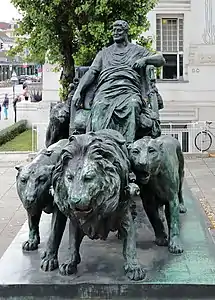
170,41
179,132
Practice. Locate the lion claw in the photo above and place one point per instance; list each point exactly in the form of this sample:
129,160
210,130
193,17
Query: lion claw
30,245
49,262
66,269
182,209
134,271
175,246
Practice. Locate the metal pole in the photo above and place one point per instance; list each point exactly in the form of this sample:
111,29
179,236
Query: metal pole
14,102
13,91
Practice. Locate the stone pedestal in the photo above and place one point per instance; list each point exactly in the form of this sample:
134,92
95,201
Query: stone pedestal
100,274
51,83
37,115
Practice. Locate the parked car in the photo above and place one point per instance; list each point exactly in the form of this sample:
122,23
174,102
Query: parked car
22,79
27,81
34,78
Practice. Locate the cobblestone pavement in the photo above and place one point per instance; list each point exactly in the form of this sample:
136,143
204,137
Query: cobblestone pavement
199,173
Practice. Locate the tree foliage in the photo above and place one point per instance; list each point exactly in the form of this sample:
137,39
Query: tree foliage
74,30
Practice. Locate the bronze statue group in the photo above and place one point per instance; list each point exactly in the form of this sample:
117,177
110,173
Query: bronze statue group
104,148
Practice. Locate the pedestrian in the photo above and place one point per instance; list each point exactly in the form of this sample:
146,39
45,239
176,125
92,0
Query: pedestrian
25,91
5,106
0,111
17,99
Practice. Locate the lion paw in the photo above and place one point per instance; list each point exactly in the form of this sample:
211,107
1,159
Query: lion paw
49,262
175,246
69,268
134,271
161,241
30,245
182,209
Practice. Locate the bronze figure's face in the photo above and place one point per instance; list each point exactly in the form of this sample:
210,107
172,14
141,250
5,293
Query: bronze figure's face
119,34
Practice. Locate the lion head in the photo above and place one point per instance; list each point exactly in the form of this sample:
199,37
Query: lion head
58,127
145,157
33,183
34,180
91,175
60,113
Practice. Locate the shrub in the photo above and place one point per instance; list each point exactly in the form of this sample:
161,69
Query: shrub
12,131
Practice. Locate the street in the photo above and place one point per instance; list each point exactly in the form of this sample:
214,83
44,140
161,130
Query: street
9,91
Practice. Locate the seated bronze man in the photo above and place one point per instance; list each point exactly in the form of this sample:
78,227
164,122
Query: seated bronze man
120,89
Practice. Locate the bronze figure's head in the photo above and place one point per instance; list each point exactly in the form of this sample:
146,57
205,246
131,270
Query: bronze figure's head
120,31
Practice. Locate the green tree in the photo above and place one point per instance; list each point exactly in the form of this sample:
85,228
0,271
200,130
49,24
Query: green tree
74,30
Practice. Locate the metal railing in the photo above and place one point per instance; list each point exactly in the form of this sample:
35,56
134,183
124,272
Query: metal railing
195,137
190,135
38,136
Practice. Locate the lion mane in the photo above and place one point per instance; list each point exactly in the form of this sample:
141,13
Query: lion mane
107,149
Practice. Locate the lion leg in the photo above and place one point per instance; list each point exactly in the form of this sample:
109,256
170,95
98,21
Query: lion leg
75,238
182,207
180,155
34,235
132,267
132,190
172,216
133,209
161,212
49,258
155,220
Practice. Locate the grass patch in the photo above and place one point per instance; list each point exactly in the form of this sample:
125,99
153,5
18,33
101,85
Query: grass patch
9,133
22,142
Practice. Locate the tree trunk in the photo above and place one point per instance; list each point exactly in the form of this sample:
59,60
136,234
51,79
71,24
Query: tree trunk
68,65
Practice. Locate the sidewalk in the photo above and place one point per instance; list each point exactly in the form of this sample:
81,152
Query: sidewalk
199,173
12,214
200,176
9,121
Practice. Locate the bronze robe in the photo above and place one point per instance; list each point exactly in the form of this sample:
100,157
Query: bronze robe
118,98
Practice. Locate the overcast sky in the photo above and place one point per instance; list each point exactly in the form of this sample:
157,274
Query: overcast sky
7,11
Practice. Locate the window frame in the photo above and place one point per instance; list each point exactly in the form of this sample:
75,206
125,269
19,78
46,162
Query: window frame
178,17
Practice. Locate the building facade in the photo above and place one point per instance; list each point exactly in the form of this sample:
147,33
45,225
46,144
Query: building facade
8,65
6,42
184,31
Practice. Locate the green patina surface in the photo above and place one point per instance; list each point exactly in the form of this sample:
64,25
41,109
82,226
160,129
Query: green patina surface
102,261
197,264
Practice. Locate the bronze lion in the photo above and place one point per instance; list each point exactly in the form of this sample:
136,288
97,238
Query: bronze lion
159,168
91,188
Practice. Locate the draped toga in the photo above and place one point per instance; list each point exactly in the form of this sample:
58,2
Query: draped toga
118,98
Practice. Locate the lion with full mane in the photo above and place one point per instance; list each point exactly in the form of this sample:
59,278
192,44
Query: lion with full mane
91,188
